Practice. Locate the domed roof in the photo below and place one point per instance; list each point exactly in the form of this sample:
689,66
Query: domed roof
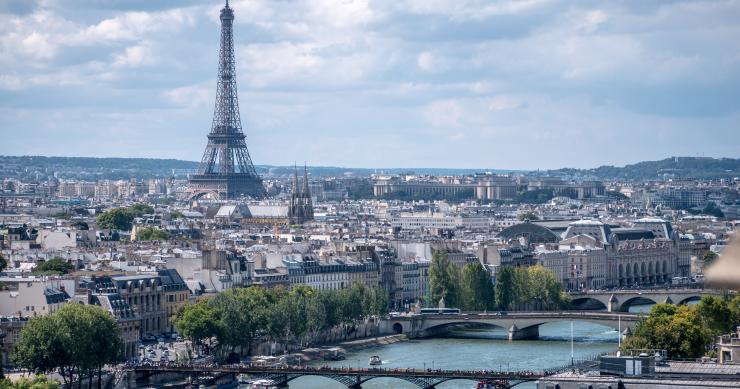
532,232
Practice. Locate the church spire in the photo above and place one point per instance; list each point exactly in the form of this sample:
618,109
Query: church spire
295,178
305,191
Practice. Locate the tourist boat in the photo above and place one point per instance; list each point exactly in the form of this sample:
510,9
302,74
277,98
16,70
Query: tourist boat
262,384
375,360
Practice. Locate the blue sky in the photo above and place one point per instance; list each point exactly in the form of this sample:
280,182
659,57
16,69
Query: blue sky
400,83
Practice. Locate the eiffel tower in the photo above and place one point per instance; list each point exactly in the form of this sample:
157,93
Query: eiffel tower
226,170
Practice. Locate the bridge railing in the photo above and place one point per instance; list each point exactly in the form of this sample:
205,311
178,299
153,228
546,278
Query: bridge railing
579,363
325,370
508,314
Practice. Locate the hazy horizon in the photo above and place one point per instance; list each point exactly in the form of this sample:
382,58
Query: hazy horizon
380,169
510,85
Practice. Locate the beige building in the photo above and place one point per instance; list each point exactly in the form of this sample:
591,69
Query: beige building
31,296
728,347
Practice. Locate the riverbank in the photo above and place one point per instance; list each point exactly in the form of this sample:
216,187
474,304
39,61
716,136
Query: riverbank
325,352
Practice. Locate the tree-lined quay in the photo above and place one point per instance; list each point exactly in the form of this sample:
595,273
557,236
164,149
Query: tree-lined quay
231,322
470,288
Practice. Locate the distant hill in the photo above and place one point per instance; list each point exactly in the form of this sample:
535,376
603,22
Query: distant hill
675,167
85,168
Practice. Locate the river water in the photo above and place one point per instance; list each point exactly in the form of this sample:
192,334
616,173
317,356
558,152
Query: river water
476,350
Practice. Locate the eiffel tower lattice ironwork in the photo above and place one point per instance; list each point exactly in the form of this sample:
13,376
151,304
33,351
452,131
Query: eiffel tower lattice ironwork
226,170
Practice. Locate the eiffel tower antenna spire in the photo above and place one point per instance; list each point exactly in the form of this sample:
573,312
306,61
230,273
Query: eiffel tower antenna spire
226,170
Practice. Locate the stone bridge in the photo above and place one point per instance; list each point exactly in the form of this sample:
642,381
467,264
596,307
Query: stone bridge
621,300
520,325
141,375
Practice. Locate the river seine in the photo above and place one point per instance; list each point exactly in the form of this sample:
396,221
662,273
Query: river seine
476,350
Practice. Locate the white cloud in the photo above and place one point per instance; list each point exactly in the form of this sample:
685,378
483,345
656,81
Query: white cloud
199,95
344,13
38,46
132,26
431,63
591,20
469,9
10,82
135,56
492,76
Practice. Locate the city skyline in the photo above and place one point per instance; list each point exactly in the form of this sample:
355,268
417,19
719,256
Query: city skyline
418,84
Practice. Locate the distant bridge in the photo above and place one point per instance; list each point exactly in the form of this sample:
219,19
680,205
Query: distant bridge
352,378
520,325
622,300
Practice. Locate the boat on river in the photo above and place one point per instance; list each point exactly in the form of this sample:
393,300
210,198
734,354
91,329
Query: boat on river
375,360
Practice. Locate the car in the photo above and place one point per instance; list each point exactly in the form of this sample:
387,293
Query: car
148,338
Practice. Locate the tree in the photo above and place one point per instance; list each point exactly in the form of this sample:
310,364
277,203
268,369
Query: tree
37,382
81,225
41,346
242,313
56,265
104,348
140,209
151,233
116,219
528,216
504,287
717,315
3,263
709,257
442,279
544,288
679,330
197,322
713,210
477,292
76,339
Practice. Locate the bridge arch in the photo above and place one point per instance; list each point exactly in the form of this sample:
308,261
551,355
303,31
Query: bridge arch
589,300
689,299
420,382
398,328
625,306
444,326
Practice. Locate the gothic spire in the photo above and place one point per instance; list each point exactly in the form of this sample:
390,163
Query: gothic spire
295,178
305,190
